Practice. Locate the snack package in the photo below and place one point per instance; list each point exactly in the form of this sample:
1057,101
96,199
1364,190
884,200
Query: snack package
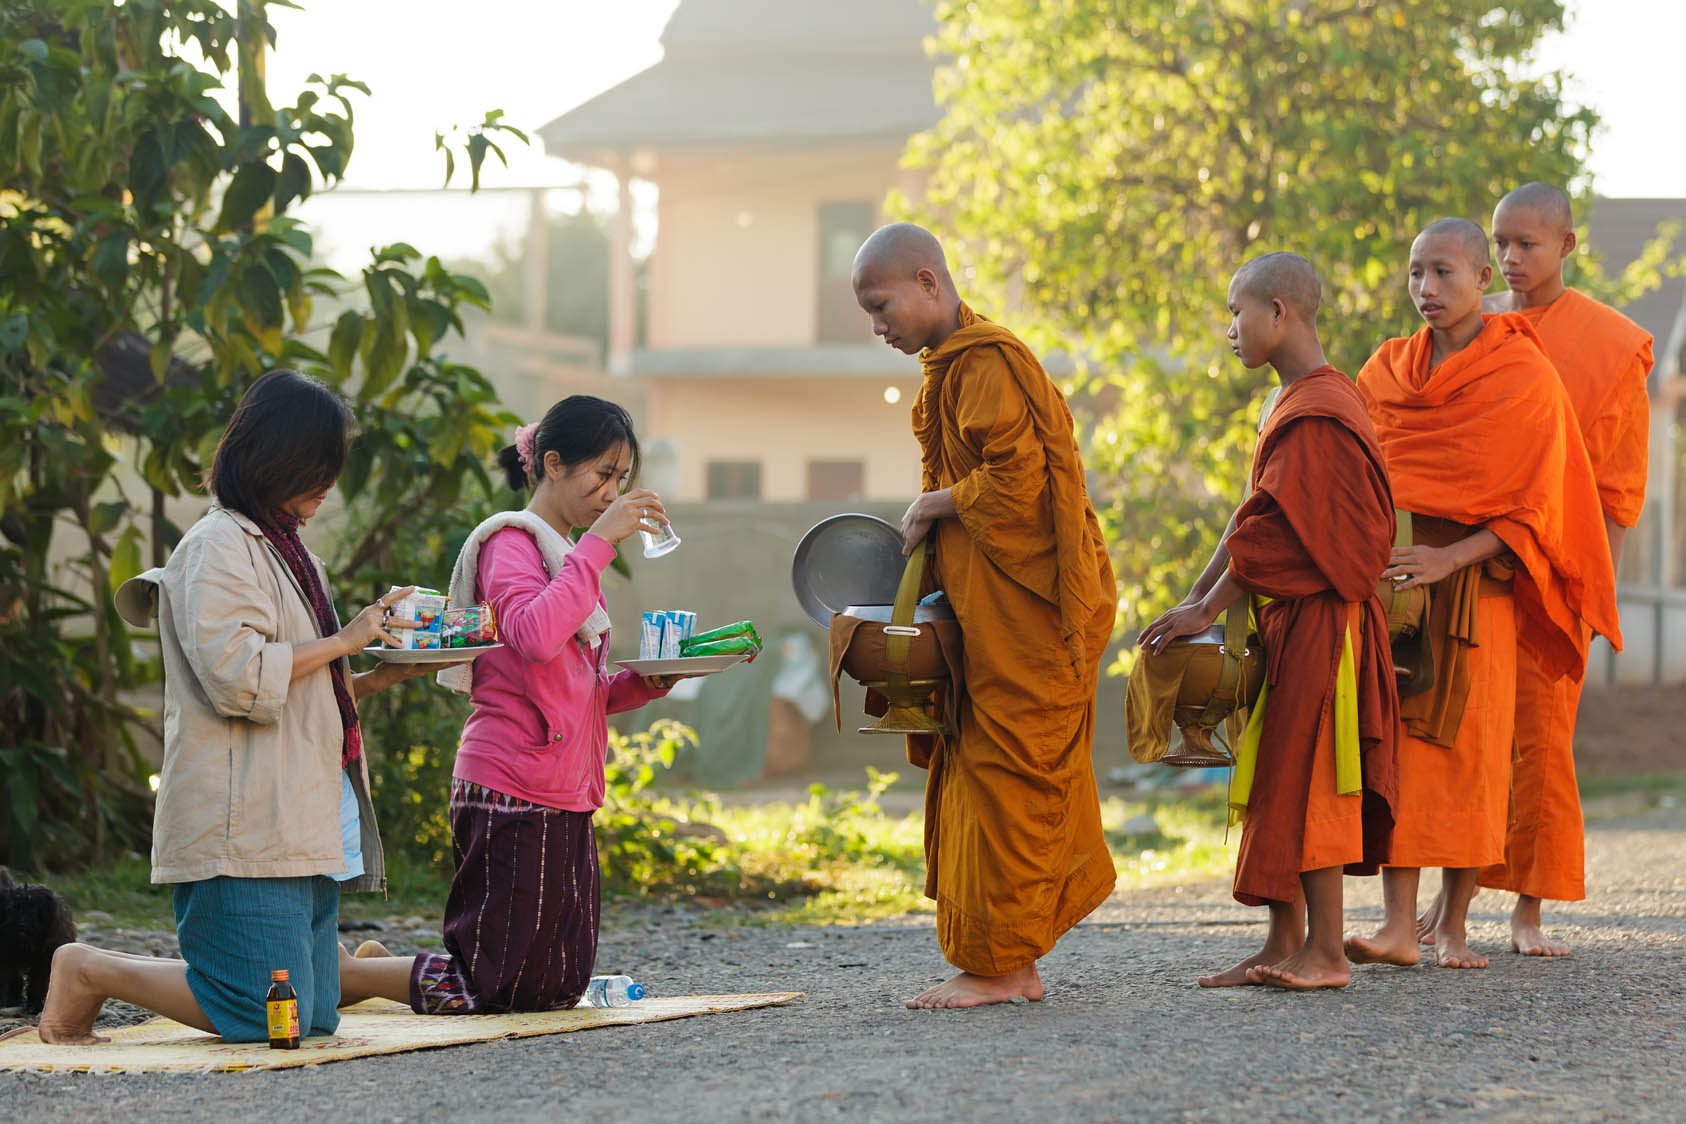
427,608
726,645
741,628
470,627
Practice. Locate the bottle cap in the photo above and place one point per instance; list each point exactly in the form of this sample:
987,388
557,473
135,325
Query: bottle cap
635,991
278,976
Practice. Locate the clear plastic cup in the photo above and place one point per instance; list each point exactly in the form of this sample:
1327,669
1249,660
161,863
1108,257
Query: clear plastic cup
657,545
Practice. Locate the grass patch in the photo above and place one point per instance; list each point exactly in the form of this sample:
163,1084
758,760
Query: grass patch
1184,844
1624,784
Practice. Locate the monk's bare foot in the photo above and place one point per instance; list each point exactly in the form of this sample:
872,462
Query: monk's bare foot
371,948
1388,946
1429,919
1237,976
1527,937
967,990
1451,950
1303,971
73,1003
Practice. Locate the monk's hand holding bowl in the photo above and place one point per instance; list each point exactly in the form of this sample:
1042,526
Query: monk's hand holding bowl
1411,566
921,513
1188,619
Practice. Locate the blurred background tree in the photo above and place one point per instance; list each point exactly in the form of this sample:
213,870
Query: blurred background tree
1101,169
151,272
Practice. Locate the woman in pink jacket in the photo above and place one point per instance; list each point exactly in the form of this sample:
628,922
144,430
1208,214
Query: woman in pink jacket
521,919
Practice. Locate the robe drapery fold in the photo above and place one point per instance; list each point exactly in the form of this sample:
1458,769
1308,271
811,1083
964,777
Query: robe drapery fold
1603,359
1314,537
1013,840
1488,438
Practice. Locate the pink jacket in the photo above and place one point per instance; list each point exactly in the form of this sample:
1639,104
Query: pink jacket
539,730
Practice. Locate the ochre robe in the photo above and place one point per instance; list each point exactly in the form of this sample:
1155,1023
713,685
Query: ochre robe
1013,836
1315,536
1603,359
1488,439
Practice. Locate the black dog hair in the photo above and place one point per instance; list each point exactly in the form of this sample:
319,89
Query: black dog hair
34,922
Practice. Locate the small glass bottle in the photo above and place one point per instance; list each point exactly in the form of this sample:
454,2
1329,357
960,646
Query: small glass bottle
283,1007
613,991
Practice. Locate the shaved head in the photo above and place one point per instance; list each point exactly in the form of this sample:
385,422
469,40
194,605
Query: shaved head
1469,235
1285,277
1550,202
898,252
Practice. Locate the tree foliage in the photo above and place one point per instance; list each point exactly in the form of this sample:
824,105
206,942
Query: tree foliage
1102,168
152,270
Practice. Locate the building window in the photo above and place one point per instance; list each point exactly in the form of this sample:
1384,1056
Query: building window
843,227
734,480
836,480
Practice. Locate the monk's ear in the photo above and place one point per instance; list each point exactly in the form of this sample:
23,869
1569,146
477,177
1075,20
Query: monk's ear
1484,277
928,282
1278,310
1569,244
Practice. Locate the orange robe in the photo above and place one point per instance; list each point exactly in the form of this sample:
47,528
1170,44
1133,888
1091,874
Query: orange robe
1013,836
1603,359
1488,439
1314,536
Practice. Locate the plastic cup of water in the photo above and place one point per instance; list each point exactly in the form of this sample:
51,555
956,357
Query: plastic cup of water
657,545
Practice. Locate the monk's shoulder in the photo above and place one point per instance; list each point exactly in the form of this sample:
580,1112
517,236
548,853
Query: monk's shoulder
984,371
1610,324
1383,363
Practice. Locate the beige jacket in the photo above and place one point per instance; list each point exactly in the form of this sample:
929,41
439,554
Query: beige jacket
250,786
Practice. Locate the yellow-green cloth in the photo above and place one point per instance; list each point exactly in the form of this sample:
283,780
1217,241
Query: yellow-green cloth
1349,778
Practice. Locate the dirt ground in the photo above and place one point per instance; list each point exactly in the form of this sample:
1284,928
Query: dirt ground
1631,730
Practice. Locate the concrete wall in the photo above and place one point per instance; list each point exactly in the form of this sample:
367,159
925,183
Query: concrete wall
736,257
784,423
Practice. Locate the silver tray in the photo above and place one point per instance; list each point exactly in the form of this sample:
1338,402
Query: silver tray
428,655
846,560
685,665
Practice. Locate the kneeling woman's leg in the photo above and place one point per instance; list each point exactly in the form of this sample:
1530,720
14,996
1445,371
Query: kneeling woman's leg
521,920
235,931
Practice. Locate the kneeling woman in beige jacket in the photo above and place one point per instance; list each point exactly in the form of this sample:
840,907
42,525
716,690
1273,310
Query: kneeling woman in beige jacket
263,799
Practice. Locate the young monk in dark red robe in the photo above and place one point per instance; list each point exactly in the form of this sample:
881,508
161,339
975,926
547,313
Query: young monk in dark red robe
1603,359
1012,817
1309,544
1482,446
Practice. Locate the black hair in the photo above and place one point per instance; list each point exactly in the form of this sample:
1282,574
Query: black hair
578,429
287,438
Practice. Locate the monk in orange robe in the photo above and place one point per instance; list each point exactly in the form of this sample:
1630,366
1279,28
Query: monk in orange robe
1603,359
1013,836
1482,447
1310,543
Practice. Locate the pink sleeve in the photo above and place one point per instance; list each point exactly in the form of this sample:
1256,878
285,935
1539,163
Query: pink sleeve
628,691
537,614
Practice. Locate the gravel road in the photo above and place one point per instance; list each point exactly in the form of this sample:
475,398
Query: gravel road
1124,1034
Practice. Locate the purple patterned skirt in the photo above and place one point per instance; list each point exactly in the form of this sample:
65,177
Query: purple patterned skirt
521,919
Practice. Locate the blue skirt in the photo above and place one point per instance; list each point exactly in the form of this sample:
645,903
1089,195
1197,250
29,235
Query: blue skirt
234,931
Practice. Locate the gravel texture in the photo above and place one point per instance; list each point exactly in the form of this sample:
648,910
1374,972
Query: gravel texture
1123,1035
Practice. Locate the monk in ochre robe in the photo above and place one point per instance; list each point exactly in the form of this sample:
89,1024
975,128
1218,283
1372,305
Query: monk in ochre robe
1603,359
1482,447
1309,544
1013,836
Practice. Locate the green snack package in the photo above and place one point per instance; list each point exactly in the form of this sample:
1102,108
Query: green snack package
725,646
742,628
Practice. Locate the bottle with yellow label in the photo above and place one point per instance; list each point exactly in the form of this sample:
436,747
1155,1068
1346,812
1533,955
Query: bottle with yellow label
283,1004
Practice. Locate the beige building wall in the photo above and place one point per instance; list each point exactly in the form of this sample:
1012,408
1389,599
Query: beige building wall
736,259
751,419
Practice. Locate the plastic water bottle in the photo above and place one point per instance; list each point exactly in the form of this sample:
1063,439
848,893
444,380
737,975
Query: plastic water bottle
613,991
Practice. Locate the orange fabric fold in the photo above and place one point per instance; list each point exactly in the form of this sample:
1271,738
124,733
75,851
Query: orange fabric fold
1314,536
1013,836
1603,359
1489,438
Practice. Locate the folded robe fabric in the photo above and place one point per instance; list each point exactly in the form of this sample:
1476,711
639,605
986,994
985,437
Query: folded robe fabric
1603,359
1488,438
1013,836
1314,538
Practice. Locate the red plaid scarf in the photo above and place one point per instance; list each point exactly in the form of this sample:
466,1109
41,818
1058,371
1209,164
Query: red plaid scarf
282,531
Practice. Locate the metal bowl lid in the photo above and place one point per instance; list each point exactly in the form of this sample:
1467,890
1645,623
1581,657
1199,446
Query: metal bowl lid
846,560
922,614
